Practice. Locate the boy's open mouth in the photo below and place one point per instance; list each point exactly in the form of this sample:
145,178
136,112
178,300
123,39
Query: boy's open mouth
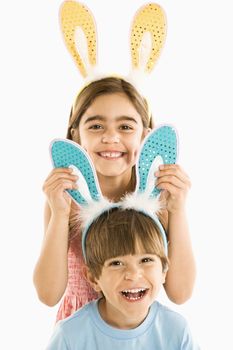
134,294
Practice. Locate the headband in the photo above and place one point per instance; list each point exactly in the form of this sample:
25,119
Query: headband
159,147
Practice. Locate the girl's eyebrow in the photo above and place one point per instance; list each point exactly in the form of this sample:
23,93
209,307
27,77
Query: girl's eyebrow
94,117
102,118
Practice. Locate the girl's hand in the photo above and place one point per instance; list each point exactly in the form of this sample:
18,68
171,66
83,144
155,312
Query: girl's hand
59,180
175,184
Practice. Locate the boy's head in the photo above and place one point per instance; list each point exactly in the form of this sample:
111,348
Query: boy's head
126,261
122,232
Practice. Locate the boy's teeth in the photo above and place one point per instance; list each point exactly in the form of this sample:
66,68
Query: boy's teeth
134,290
134,294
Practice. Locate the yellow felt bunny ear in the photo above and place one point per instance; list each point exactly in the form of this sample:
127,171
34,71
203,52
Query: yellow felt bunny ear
148,35
79,31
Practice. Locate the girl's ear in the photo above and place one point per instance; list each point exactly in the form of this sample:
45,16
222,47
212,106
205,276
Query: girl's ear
146,131
164,276
91,279
72,131
75,135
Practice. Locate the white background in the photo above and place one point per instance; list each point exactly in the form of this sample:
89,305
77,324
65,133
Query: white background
191,87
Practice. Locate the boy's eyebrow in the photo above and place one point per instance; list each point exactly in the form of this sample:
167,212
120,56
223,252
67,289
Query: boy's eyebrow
102,118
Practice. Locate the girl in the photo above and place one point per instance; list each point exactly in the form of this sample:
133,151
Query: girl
109,119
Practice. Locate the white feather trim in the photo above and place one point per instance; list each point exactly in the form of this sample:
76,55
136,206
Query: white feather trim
137,201
88,213
137,76
141,202
96,74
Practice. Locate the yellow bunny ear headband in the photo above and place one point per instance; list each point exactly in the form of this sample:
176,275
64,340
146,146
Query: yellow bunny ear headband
147,38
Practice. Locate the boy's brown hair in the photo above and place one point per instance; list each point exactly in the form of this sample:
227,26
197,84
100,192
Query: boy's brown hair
122,232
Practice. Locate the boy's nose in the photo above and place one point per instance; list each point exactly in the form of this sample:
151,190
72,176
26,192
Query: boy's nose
133,273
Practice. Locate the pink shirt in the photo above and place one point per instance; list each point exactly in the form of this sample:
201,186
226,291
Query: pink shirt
78,291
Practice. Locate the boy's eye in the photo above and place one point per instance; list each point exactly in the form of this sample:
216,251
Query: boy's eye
115,263
147,259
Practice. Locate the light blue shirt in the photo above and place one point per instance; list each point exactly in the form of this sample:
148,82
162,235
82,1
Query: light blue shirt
163,329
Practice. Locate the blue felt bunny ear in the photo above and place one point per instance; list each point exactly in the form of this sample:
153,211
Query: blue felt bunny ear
159,147
64,154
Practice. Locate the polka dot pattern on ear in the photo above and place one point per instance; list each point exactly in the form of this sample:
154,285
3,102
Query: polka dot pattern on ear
159,142
149,18
72,16
65,153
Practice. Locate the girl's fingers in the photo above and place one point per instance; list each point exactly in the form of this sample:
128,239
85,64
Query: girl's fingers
172,180
174,168
60,186
60,177
173,173
66,185
164,195
59,170
170,188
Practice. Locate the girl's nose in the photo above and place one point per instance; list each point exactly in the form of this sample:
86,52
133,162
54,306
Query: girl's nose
110,138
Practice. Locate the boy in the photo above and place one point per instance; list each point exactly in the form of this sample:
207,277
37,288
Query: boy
126,262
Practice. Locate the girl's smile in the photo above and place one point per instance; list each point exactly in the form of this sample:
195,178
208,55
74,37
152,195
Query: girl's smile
111,131
111,154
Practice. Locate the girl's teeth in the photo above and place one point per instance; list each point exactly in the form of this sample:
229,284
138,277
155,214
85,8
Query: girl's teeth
111,154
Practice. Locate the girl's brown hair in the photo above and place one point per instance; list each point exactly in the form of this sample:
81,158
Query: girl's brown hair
110,85
85,98
122,232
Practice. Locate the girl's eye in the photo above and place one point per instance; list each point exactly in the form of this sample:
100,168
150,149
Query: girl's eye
126,127
95,127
